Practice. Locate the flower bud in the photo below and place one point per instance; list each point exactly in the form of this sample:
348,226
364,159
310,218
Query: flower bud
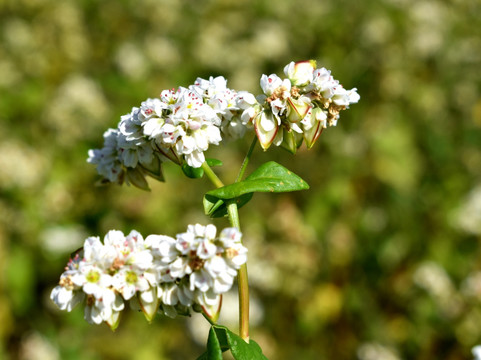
291,141
314,126
300,73
212,312
266,127
298,109
114,320
136,178
149,303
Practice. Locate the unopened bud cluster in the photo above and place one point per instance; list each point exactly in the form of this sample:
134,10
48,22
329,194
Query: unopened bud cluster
173,275
300,106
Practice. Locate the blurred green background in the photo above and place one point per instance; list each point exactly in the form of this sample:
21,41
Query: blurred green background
379,260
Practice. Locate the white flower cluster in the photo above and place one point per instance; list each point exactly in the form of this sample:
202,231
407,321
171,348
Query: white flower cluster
179,126
174,275
300,106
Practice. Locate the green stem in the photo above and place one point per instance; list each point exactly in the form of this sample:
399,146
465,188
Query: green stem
246,160
242,275
242,281
212,176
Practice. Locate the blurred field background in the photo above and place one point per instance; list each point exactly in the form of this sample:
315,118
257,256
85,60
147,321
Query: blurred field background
379,260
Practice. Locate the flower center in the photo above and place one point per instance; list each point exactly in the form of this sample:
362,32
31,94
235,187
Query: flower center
131,277
93,276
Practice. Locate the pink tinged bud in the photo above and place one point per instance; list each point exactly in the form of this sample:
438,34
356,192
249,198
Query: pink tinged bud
212,312
266,127
297,109
114,320
311,135
314,125
300,73
149,303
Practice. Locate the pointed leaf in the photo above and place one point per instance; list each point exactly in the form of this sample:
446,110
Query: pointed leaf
242,350
269,177
214,350
222,339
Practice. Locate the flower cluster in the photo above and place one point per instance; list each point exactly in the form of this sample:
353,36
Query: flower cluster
179,126
174,275
299,107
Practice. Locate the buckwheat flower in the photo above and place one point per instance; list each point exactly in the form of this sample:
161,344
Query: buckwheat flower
226,104
235,253
131,250
132,144
65,296
211,263
190,127
323,83
104,308
128,280
152,112
221,274
273,84
162,247
92,279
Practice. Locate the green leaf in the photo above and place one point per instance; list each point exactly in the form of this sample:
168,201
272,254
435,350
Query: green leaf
222,339
214,350
242,350
215,207
192,172
269,177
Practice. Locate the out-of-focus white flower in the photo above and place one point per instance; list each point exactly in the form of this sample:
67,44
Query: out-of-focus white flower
476,351
375,351
468,216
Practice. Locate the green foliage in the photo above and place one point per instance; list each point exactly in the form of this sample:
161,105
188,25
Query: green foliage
269,177
222,339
